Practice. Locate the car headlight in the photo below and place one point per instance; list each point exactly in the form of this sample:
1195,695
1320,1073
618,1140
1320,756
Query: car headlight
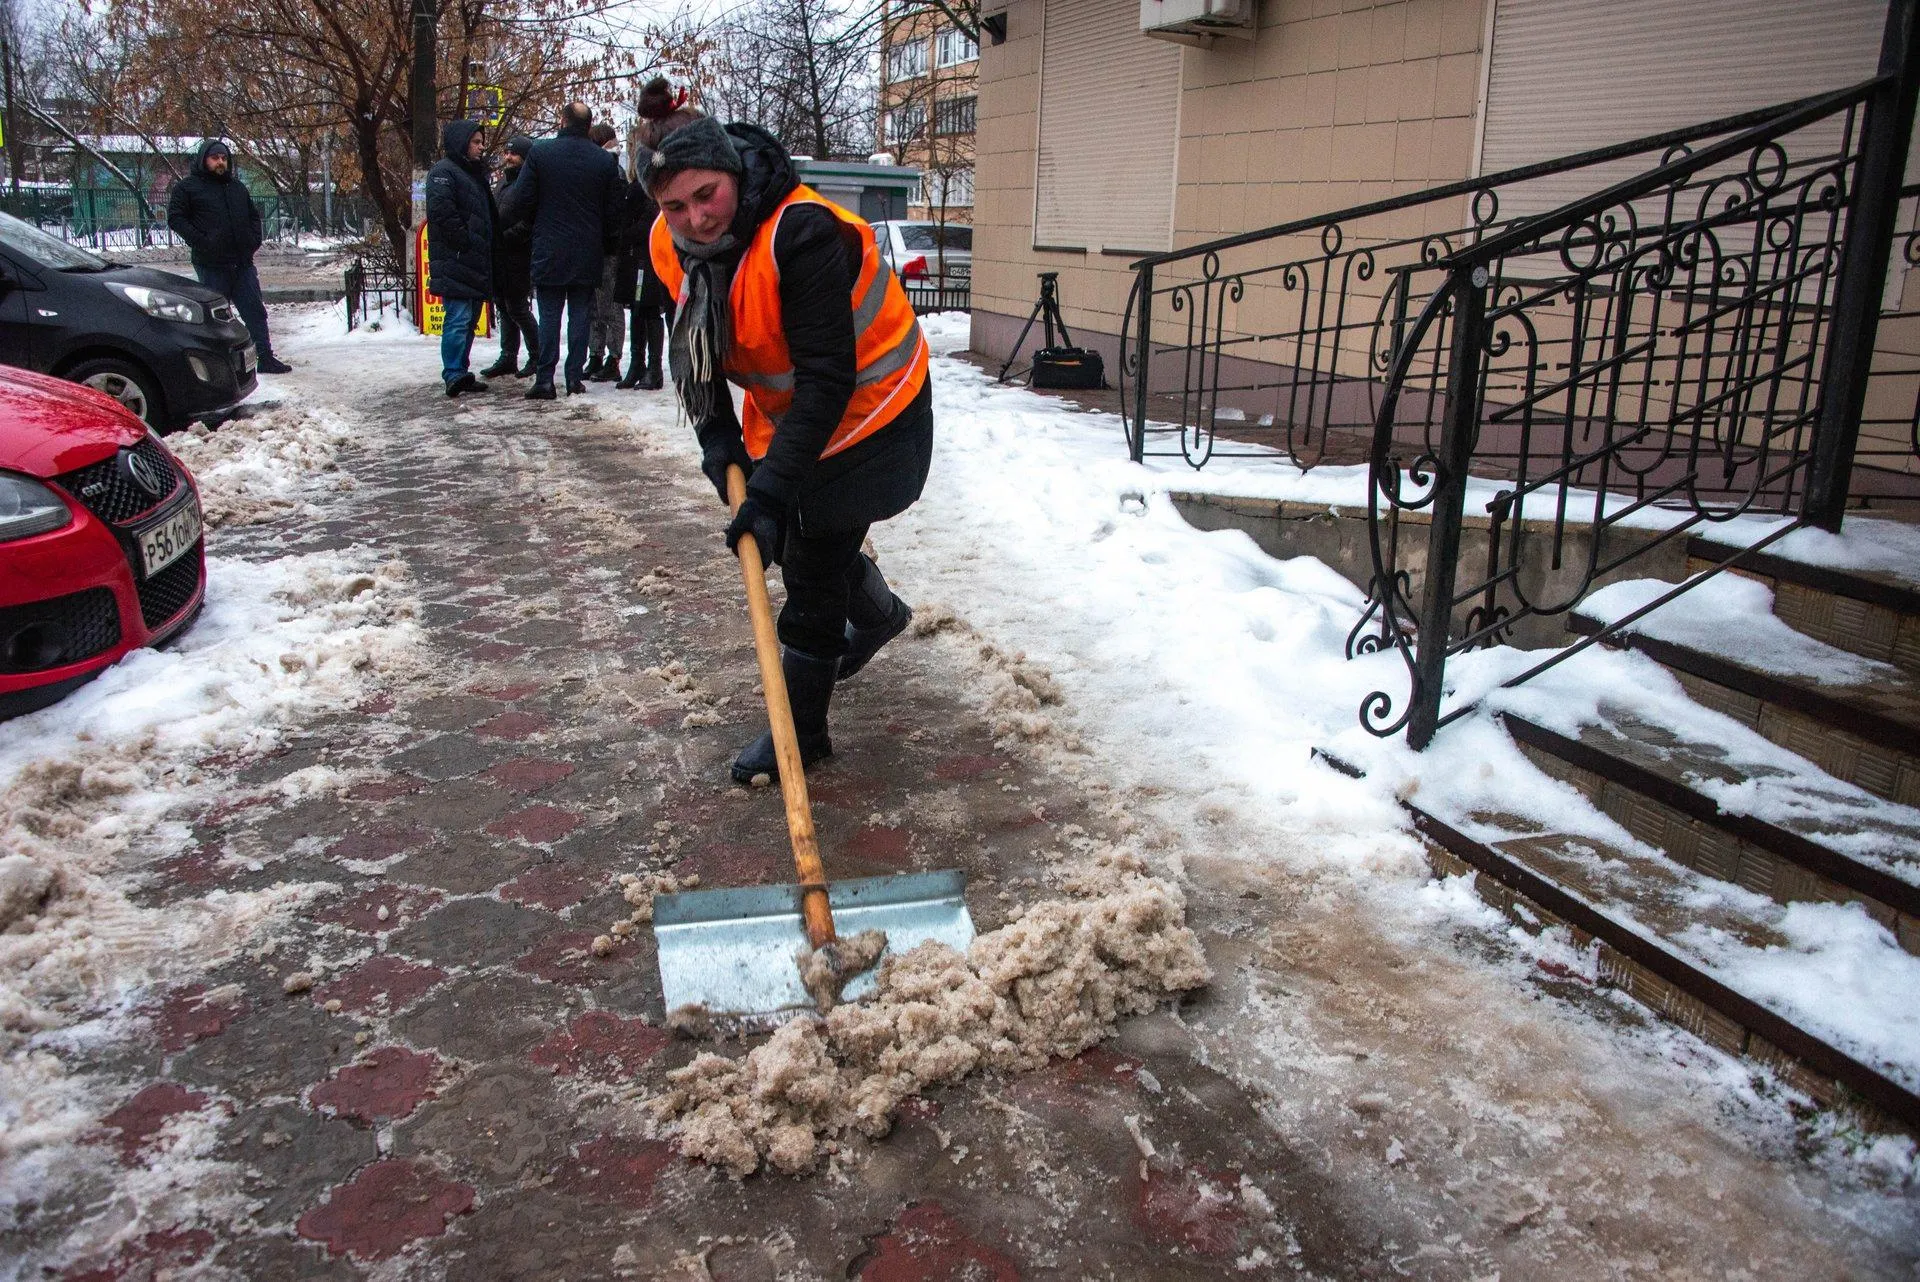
160,303
28,508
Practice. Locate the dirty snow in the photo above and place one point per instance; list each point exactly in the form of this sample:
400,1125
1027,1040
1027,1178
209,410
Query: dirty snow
95,790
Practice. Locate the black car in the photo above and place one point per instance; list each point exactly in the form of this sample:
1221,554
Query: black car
168,348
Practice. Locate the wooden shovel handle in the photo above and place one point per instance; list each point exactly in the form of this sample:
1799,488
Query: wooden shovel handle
786,744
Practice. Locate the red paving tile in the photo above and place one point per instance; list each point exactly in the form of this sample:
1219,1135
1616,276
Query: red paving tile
511,725
568,959
199,868
553,886
615,1169
846,790
377,844
723,864
528,774
155,1256
143,1117
928,1245
879,845
385,789
186,1016
964,766
385,1207
601,1045
1190,1208
382,982
382,702
362,912
495,651
540,825
385,1085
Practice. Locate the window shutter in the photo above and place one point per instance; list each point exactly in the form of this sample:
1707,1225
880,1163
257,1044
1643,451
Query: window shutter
1571,75
1109,130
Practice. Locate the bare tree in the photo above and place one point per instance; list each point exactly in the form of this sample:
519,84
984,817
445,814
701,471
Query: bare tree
802,69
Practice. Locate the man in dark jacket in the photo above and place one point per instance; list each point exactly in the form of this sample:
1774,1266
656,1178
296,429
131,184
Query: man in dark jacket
513,276
839,431
460,233
212,210
572,190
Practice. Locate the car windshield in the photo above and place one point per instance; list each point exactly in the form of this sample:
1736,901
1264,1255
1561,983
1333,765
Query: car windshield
48,251
925,237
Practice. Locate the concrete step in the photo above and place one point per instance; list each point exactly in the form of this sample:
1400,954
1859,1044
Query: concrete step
1865,731
1873,614
1818,842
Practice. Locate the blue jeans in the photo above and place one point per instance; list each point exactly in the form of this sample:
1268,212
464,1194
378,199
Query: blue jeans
241,284
578,300
456,337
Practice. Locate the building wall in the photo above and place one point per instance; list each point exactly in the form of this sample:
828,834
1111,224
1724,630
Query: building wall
1331,105
930,151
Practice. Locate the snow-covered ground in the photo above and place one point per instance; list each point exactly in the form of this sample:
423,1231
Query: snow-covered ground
94,790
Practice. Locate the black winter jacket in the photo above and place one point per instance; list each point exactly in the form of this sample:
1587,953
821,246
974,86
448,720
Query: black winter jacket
819,260
460,219
636,232
573,191
215,216
513,249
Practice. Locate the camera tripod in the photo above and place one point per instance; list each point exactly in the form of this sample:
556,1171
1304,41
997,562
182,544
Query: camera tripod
1047,312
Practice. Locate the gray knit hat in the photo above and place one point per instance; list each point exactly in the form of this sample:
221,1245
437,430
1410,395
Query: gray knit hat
701,144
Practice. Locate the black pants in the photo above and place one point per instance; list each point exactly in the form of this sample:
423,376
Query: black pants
514,315
829,581
578,302
241,284
647,329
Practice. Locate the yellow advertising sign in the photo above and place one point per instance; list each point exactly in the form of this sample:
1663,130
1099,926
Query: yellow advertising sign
430,310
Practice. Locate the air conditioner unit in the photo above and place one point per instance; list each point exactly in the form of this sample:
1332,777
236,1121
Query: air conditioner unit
1199,22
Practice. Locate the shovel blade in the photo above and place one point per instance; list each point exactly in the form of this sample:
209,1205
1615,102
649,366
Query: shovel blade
732,951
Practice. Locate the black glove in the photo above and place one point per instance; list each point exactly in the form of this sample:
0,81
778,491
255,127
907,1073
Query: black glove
717,454
766,521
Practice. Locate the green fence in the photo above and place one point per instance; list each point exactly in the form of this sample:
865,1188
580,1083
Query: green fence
112,217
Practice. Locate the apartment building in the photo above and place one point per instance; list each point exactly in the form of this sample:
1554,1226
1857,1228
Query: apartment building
929,75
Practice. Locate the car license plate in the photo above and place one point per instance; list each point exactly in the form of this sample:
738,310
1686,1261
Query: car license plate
168,541
960,271
250,359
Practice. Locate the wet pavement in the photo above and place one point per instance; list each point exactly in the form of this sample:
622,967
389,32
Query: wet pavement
456,1094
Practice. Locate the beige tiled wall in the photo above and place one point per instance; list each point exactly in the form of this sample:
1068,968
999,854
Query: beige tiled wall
1333,104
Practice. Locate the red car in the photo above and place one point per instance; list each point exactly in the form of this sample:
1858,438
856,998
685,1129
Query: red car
100,547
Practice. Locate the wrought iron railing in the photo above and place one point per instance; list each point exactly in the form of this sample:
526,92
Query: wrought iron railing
371,295
1691,342
954,295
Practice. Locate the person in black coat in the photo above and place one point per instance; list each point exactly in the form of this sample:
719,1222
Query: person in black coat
461,223
637,286
573,191
213,212
513,276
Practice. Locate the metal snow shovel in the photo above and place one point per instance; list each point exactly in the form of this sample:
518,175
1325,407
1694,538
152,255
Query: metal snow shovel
733,951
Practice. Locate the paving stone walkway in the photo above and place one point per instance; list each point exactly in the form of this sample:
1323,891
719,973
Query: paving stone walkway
456,1094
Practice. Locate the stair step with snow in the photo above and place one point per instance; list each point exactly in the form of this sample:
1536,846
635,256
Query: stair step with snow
1855,717
1791,835
1781,985
1870,613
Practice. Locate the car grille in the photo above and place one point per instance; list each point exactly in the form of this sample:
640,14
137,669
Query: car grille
110,494
167,593
58,631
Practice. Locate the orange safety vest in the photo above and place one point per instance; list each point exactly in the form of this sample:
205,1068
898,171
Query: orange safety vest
890,352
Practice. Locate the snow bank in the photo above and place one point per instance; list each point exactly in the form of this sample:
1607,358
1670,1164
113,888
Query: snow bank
266,463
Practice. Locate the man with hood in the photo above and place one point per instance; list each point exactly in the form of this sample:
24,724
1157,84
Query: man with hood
213,212
513,276
572,190
785,294
460,233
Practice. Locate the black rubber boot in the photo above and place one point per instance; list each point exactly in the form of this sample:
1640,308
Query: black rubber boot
634,372
809,691
502,368
875,616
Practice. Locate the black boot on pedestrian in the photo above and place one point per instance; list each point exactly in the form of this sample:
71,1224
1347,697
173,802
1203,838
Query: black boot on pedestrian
540,392
875,616
634,375
531,368
576,388
809,691
502,368
608,371
651,381
465,383
593,367
271,364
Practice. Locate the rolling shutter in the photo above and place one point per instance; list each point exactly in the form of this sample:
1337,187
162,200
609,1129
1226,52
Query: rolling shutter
1570,75
1109,129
